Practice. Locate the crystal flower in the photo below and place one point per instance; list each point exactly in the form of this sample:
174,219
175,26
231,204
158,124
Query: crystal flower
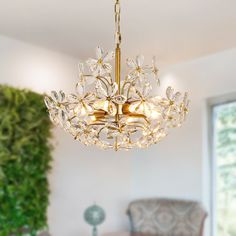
56,107
87,134
184,108
81,73
85,78
172,108
142,103
138,70
108,98
172,98
152,136
100,66
81,101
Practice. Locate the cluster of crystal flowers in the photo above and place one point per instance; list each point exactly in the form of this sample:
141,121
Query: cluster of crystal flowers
113,116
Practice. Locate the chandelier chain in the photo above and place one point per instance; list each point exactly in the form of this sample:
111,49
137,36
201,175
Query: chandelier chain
117,23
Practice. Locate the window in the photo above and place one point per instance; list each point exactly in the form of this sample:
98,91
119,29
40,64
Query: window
224,168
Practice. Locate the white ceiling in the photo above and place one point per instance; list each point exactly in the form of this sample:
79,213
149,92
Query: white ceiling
174,30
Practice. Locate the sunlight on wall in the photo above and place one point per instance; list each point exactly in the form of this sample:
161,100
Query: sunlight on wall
172,80
43,75
39,76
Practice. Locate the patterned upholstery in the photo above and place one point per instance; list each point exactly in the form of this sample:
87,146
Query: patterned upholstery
165,217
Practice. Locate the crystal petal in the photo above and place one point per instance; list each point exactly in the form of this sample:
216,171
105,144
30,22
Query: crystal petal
77,109
72,98
139,94
133,95
176,96
66,126
92,64
62,116
146,89
106,67
61,96
88,108
53,118
101,92
139,60
88,80
169,93
148,109
147,70
156,100
80,89
114,89
157,80
99,52
131,63
89,97
48,102
185,99
154,61
81,68
109,57
187,104
54,96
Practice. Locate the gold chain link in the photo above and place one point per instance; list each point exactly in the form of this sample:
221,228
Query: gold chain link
117,23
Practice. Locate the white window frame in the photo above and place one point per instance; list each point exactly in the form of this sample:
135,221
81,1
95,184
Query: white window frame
211,104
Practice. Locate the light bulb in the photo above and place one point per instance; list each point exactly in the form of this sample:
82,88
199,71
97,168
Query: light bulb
105,105
99,105
93,118
155,114
132,107
130,119
83,111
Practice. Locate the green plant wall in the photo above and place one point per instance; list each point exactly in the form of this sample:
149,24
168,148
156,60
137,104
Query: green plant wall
24,162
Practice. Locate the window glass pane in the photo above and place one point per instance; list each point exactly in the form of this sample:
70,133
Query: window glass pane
225,154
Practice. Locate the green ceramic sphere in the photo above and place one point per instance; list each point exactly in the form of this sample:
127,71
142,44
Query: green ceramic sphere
94,215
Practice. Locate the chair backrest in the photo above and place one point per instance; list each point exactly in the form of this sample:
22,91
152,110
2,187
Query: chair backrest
166,217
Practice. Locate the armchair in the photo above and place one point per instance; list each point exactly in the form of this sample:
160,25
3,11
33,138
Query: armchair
166,217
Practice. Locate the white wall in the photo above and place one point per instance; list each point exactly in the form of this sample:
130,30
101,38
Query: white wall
179,165
174,168
80,175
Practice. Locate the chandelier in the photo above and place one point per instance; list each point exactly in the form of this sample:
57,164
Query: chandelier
115,114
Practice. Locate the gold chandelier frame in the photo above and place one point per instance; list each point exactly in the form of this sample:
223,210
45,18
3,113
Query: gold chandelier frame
117,114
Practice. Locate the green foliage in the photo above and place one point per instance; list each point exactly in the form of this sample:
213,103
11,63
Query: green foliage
24,162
